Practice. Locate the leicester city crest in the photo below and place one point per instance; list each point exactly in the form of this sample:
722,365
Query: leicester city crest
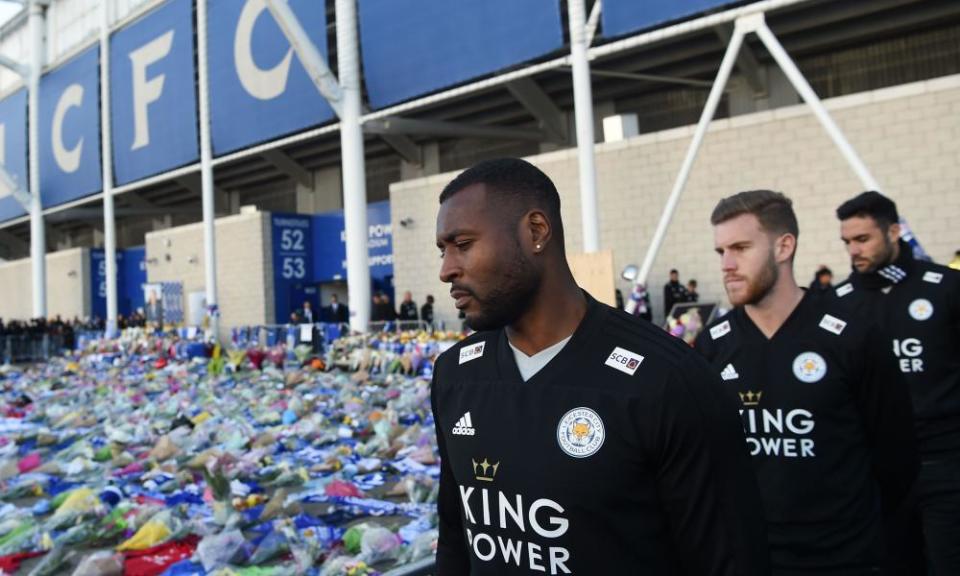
809,367
920,309
580,433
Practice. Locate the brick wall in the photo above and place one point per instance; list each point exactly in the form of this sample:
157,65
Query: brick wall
244,265
17,300
68,285
907,135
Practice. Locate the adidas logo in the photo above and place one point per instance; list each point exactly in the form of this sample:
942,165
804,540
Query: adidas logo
729,373
892,273
464,426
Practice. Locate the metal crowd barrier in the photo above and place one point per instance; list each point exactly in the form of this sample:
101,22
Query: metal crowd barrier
398,325
323,332
19,348
290,334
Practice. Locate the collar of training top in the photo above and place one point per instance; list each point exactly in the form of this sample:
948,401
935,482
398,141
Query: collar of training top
893,273
592,319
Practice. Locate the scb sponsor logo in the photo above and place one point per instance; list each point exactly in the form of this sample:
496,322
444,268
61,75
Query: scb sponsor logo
624,360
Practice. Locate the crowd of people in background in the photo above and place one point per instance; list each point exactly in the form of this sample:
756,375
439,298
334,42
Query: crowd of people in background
135,320
67,329
57,325
64,331
40,326
676,293
383,310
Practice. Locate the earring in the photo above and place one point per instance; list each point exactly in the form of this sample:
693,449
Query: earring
538,247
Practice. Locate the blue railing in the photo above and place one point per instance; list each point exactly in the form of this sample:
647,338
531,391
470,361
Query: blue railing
270,335
20,348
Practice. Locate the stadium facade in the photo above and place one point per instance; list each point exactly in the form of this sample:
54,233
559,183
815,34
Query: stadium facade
443,88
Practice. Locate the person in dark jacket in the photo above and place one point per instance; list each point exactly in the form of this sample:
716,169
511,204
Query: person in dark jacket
917,303
426,311
826,414
336,312
387,312
822,280
692,294
573,437
673,292
408,308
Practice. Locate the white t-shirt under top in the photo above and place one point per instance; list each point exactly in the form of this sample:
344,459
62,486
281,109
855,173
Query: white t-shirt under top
530,365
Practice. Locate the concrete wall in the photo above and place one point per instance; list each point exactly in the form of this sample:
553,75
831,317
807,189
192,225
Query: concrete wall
16,293
69,283
244,265
907,135
68,286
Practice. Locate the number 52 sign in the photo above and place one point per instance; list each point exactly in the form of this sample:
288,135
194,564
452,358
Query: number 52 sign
292,264
293,253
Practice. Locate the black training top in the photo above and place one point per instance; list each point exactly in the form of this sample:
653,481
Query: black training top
828,424
918,305
619,456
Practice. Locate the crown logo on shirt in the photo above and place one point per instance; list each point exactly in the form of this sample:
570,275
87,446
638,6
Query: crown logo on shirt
750,398
485,471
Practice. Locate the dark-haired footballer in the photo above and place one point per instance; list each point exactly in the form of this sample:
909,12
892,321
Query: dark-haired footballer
574,438
827,418
917,304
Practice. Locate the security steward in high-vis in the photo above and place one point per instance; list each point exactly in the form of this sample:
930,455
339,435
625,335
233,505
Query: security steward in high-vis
574,439
826,415
917,303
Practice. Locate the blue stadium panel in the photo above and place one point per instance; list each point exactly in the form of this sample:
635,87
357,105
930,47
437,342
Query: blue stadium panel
380,240
625,16
13,120
70,130
259,90
292,263
98,282
412,47
153,103
131,276
329,249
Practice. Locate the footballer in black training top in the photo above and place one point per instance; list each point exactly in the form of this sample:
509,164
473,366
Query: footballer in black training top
917,304
826,415
574,439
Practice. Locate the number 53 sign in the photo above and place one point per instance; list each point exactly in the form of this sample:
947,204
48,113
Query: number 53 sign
292,264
